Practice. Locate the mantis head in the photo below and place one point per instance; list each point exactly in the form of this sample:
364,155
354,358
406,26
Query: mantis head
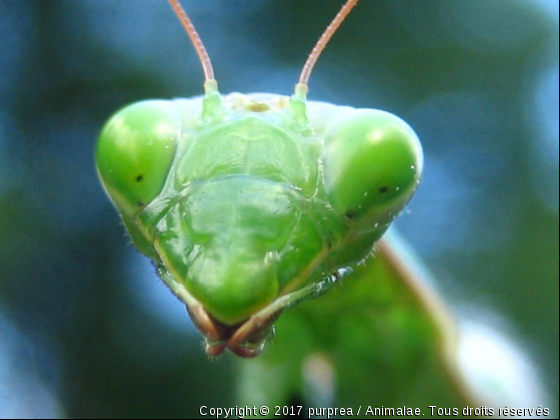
249,205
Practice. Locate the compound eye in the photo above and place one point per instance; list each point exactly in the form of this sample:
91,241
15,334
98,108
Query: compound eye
135,152
373,163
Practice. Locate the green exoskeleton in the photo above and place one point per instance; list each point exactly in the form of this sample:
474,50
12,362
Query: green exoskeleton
249,204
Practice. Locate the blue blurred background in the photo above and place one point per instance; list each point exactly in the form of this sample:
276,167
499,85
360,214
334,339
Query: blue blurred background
87,329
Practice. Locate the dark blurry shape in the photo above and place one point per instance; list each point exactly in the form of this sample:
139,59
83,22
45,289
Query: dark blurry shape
60,167
543,116
17,32
11,154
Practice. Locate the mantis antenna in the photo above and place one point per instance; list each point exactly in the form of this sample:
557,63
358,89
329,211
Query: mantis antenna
323,41
195,39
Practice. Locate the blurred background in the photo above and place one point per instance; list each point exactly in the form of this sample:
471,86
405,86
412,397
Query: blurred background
87,329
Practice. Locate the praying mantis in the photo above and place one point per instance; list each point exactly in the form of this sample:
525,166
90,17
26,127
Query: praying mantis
251,205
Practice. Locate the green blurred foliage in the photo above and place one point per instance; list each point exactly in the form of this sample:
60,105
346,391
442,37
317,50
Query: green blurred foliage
86,329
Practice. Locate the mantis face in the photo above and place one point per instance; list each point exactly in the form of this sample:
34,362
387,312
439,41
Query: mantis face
248,204
257,206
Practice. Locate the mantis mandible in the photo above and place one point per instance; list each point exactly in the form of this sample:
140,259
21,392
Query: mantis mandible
250,204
